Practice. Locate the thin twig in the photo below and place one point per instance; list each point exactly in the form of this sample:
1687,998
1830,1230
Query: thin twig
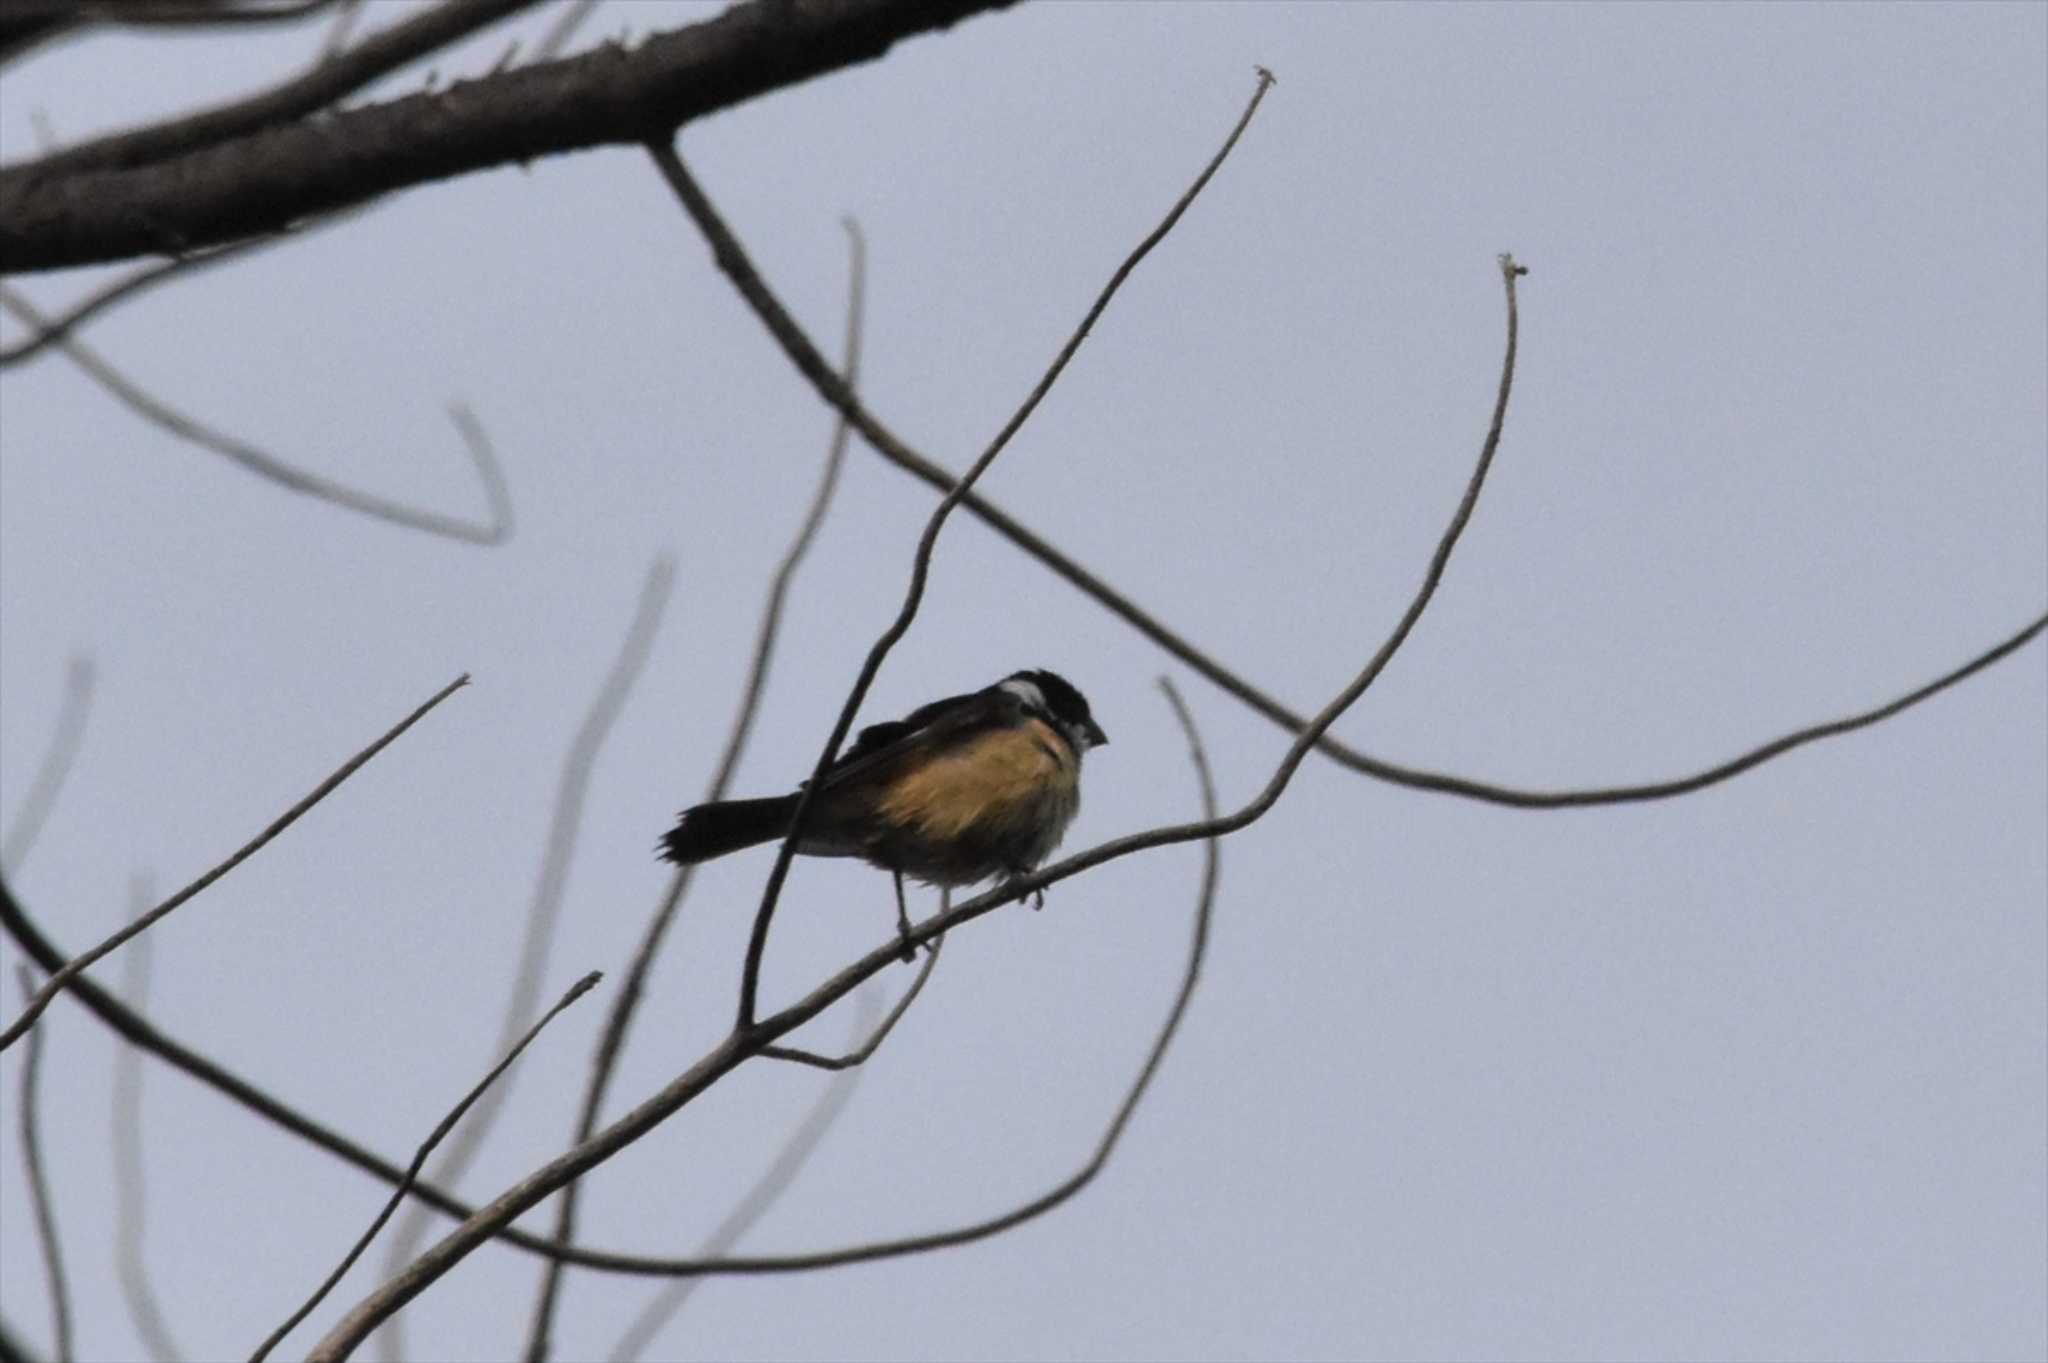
144,278
860,1055
131,1197
268,466
69,971
1106,1146
48,783
340,31
809,362
733,261
619,1020
447,1124
39,1187
571,789
789,1161
563,29
742,1043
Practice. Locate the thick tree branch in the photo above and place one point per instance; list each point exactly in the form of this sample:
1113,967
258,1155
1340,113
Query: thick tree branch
327,81
273,177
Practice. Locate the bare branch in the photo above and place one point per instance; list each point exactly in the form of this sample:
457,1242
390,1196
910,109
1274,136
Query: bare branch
131,1197
789,1161
266,465
571,788
292,168
619,1020
859,1056
66,974
1106,1146
734,263
39,1187
804,355
447,1124
51,773
326,82
744,1042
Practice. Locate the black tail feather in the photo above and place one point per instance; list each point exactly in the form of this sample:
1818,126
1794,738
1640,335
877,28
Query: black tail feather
707,831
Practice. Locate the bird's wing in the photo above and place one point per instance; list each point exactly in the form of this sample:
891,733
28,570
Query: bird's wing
941,722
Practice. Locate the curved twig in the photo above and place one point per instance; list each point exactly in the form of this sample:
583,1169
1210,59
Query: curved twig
572,786
447,1124
620,1018
51,773
144,278
742,1043
701,210
860,1055
1106,1146
39,1187
796,1151
131,1198
70,970
266,465
805,357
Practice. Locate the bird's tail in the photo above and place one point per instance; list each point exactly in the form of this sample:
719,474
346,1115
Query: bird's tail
707,831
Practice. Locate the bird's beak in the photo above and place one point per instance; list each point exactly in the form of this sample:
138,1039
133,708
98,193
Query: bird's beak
1096,738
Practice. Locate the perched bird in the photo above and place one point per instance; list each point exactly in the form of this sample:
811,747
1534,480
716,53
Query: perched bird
955,792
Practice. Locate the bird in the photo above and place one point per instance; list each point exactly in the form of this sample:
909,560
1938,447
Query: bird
961,790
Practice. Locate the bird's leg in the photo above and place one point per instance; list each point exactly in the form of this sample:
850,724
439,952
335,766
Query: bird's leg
1037,895
909,952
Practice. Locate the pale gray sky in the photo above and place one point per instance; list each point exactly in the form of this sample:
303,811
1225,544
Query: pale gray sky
1758,1073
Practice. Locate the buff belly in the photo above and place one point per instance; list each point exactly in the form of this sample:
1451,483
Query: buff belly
997,805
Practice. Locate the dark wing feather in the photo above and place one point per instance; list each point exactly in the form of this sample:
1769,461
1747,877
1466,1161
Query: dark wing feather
941,721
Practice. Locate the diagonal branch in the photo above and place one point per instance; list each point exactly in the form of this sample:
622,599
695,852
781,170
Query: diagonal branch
266,465
743,1043
619,1021
275,176
70,970
861,1054
53,770
572,787
39,1188
146,277
746,1213
804,355
705,215
131,1197
1067,1187
419,1159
